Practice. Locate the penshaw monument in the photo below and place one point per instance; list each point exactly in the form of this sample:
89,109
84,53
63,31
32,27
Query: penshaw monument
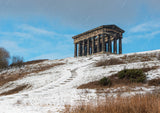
99,40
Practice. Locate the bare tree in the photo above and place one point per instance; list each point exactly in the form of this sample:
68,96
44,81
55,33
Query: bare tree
4,58
17,61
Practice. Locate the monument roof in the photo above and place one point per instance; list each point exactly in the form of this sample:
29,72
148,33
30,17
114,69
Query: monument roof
101,27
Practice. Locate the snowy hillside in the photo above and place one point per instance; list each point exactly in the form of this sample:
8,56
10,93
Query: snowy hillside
49,90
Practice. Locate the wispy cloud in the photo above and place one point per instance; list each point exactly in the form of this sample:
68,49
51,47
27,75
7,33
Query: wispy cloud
15,34
34,30
145,27
147,31
30,41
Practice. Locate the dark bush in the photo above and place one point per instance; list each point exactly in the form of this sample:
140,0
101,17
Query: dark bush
112,61
105,82
17,61
133,75
154,82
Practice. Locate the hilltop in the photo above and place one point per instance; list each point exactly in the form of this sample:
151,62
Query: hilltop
48,86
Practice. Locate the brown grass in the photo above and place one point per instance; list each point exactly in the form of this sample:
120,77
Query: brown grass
112,61
34,61
154,82
15,90
139,57
7,77
115,81
137,104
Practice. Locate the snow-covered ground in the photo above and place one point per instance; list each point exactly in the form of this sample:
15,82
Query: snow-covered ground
54,88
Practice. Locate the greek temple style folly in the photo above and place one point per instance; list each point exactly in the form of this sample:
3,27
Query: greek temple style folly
99,40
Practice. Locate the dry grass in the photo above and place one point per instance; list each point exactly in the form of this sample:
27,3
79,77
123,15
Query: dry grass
154,82
158,56
139,57
137,104
15,90
34,61
112,61
7,77
115,81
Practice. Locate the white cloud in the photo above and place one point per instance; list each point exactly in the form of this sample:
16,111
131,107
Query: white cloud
35,30
39,31
145,31
145,27
15,34
148,35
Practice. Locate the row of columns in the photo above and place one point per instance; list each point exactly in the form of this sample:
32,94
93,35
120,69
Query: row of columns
90,48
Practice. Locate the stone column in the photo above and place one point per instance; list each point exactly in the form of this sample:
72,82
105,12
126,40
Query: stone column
103,43
88,46
115,45
105,46
120,45
109,44
93,45
83,47
79,49
75,50
98,43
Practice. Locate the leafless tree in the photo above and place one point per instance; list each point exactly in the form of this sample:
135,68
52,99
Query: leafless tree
4,58
17,61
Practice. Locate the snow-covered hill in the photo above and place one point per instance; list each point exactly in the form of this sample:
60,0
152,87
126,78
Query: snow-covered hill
50,90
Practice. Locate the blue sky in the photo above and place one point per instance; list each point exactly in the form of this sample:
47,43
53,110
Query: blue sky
43,29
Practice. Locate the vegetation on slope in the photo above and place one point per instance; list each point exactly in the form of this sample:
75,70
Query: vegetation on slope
15,90
12,76
107,62
136,104
123,78
132,75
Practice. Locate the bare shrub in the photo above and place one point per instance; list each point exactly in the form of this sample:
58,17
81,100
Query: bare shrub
136,104
17,61
4,57
112,61
154,82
